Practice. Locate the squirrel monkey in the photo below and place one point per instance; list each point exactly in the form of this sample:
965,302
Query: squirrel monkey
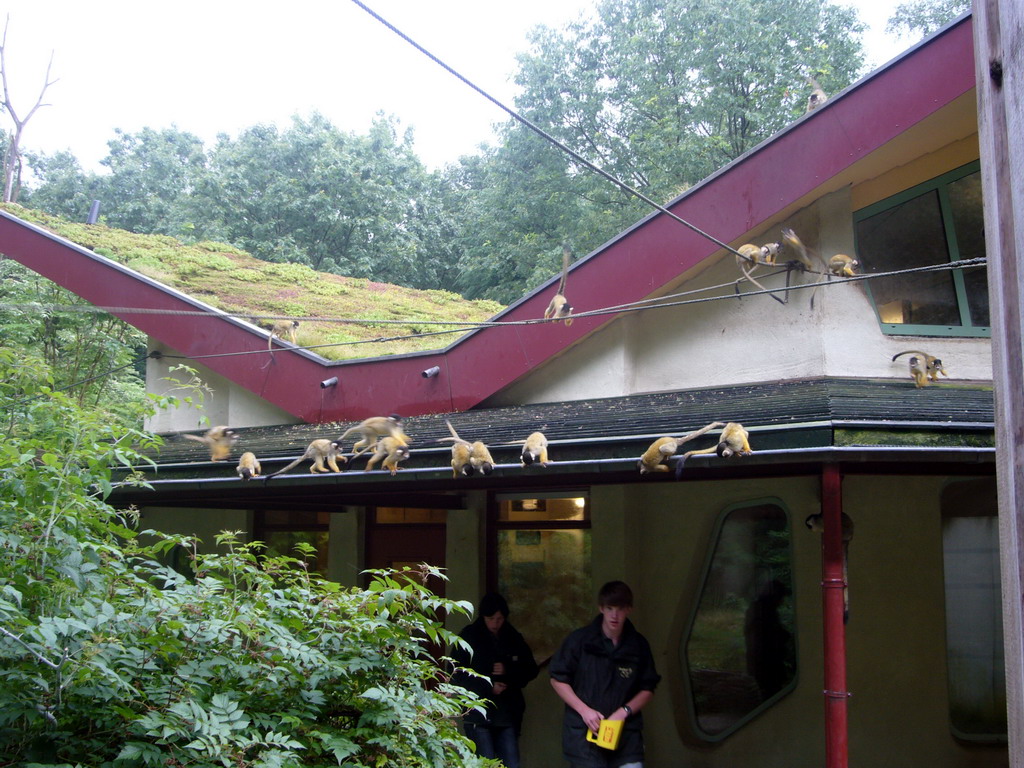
734,441
932,365
918,372
248,466
842,265
218,439
372,429
392,450
655,458
753,256
817,97
560,306
535,449
816,523
467,457
839,265
319,451
280,329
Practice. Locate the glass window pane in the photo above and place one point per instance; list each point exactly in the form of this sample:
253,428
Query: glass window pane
542,509
403,515
545,576
283,543
740,650
969,221
974,615
909,235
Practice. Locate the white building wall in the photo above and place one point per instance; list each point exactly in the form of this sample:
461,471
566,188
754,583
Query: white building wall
220,401
750,339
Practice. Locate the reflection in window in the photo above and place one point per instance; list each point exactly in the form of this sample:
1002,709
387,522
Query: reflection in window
740,651
282,531
974,615
933,223
543,567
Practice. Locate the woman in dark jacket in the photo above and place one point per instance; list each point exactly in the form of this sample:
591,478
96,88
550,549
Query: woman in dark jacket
502,655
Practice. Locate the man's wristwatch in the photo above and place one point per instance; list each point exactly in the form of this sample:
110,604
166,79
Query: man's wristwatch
627,710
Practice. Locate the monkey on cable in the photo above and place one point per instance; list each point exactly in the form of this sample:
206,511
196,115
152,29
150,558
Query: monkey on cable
535,449
372,429
753,256
734,441
655,458
932,365
392,450
559,307
839,265
817,97
248,466
280,329
467,457
816,523
319,451
218,439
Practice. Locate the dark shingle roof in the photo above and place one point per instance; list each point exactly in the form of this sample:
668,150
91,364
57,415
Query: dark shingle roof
763,407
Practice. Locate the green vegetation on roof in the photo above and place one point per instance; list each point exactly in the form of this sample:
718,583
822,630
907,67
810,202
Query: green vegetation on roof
235,282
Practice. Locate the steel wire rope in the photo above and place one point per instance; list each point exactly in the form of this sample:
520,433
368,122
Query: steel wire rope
632,307
548,137
651,303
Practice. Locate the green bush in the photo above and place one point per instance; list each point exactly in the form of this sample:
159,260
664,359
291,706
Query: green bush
108,657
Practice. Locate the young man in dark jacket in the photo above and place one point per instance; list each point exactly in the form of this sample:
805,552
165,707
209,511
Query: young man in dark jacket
605,671
500,653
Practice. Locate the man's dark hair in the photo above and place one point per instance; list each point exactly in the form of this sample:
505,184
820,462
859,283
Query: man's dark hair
493,603
615,594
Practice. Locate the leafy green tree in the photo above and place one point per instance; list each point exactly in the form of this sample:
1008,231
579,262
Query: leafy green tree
99,358
315,195
111,658
662,93
922,17
659,93
152,176
65,189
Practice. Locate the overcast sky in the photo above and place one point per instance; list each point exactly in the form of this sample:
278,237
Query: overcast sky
219,66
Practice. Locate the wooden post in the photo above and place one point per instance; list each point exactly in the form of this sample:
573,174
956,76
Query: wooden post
999,69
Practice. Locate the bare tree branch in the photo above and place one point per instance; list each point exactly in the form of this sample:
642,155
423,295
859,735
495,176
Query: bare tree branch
12,154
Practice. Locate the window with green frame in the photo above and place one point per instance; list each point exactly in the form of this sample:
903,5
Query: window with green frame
937,222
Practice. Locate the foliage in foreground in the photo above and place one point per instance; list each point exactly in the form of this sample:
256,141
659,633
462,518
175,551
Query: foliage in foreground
110,658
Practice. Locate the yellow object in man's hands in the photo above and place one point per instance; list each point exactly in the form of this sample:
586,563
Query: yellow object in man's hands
607,735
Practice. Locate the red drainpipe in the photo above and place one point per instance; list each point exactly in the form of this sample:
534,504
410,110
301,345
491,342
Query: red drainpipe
832,583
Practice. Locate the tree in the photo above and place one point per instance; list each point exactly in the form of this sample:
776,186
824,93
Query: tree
65,189
922,17
153,175
335,201
110,657
663,93
659,93
99,357
12,153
